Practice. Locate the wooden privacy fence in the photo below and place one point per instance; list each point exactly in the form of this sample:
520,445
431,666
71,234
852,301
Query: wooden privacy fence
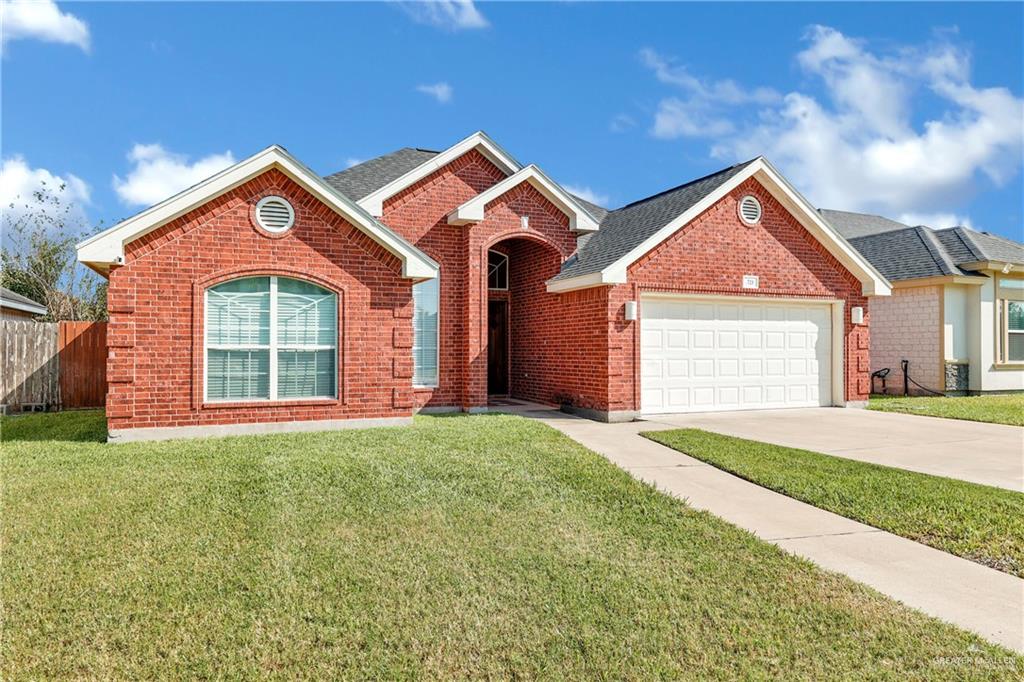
52,365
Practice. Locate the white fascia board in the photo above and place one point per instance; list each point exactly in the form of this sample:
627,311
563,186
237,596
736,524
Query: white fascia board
107,247
374,202
472,211
872,282
33,308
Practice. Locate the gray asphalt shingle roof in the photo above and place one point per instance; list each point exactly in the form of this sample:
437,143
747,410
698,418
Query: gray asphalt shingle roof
367,177
625,228
853,225
901,252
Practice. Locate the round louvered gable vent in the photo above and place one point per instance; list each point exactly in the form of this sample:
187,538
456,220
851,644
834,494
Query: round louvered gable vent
274,214
750,210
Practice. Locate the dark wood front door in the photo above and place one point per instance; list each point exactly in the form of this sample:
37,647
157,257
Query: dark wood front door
497,347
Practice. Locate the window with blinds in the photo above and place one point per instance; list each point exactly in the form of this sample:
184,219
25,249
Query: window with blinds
270,338
425,332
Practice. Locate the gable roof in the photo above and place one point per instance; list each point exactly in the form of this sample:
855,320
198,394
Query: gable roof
903,252
580,220
9,299
479,141
366,177
626,234
105,249
623,229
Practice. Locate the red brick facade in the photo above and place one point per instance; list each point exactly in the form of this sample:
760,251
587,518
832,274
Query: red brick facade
155,334
573,347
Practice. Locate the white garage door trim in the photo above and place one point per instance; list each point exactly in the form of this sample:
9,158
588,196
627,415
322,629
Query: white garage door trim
836,307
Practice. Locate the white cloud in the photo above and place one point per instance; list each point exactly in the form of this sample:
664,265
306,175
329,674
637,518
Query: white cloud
937,220
703,111
158,174
451,15
20,186
41,20
352,161
862,146
586,193
442,92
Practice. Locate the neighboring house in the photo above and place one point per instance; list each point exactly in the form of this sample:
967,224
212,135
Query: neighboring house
17,307
957,308
270,298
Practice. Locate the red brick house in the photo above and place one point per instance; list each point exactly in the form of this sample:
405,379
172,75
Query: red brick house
270,298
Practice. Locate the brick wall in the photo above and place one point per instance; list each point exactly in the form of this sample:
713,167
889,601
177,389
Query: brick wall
155,337
710,256
906,326
420,214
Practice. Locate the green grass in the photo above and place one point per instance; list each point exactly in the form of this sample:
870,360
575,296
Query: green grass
976,522
480,547
995,409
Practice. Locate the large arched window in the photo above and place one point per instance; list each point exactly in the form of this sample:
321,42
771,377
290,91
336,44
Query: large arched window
270,338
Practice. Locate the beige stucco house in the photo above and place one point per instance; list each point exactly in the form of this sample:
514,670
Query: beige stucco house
956,313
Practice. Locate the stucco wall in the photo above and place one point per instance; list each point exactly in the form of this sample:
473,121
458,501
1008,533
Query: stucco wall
905,326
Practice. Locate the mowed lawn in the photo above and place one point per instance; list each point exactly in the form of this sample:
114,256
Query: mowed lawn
995,409
977,522
483,546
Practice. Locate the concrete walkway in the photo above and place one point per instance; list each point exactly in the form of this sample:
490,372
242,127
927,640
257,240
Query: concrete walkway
991,454
979,599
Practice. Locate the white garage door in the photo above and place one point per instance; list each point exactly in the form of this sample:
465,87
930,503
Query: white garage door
701,356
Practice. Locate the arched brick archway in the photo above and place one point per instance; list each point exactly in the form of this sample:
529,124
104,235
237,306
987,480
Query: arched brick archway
518,326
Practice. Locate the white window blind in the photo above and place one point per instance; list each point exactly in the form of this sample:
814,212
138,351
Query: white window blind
270,338
425,332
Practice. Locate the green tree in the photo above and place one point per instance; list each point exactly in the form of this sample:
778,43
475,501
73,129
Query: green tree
38,260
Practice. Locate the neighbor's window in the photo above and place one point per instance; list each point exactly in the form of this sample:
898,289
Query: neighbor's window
1011,308
425,332
270,338
497,270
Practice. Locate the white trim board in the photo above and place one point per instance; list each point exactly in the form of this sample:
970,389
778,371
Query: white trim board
103,250
872,281
374,202
472,211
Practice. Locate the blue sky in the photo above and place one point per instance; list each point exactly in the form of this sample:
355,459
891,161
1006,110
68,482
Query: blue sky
913,111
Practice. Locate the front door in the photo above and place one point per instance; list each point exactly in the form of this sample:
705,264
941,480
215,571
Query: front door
497,347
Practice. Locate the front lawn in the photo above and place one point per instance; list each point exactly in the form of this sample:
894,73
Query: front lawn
996,409
479,547
977,522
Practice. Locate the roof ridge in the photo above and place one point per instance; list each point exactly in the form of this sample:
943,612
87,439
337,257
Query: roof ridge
969,242
936,249
687,184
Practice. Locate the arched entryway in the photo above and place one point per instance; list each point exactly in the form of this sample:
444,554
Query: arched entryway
523,333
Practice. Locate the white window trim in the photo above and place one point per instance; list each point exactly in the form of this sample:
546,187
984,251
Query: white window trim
507,265
437,343
272,347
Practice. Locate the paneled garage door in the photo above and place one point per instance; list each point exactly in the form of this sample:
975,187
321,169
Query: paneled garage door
703,355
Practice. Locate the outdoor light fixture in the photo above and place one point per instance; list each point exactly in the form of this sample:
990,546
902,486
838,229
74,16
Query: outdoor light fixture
630,311
857,315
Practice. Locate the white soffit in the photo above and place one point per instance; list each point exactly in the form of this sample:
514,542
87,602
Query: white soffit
105,249
472,211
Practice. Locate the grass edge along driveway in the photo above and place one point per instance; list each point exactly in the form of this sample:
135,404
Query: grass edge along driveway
459,547
981,523
991,409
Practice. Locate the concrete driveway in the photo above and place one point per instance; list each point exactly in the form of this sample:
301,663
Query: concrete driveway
992,454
